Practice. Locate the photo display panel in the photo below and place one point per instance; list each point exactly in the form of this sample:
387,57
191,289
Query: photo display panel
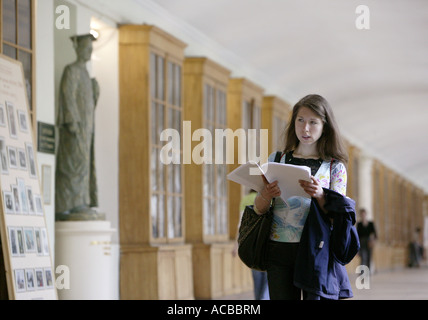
24,236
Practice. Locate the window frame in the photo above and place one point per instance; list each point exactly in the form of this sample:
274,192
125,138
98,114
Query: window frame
164,100
31,51
213,124
251,119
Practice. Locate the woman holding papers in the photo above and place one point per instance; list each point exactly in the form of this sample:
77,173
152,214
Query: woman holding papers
312,140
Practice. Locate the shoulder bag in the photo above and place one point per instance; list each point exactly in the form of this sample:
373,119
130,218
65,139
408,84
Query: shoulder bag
254,233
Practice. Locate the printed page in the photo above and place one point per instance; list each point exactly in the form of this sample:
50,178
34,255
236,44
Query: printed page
249,175
288,177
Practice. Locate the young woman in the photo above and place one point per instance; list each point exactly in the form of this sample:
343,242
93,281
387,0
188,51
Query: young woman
313,140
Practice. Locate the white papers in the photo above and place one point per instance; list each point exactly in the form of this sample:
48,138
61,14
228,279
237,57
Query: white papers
244,176
287,175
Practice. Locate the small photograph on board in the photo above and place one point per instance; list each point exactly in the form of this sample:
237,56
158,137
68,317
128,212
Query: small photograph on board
45,241
13,240
29,277
31,161
20,280
3,156
30,198
39,247
9,206
49,278
22,195
22,159
40,281
20,237
22,120
2,116
38,203
16,200
13,161
29,240
12,120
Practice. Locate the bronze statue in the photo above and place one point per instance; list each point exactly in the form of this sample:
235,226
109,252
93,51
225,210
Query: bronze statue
75,177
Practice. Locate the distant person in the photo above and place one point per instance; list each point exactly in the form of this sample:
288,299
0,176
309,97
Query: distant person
416,251
367,234
261,289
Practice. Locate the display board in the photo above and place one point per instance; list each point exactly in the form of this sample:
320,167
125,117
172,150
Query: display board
24,236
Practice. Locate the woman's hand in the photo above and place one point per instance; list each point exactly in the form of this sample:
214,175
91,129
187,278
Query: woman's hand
264,198
313,188
271,190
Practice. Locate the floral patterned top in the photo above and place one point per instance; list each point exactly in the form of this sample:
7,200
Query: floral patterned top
290,216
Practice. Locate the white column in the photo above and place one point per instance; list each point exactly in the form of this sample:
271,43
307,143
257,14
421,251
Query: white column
84,248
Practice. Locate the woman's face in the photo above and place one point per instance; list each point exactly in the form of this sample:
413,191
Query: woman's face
309,126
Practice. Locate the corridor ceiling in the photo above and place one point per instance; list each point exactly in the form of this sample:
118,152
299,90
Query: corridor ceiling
375,79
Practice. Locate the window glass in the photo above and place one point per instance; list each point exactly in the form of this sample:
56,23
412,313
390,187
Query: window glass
9,51
214,176
177,86
154,167
161,216
178,217
154,213
177,178
171,81
153,82
24,23
9,21
160,78
160,121
177,120
166,113
170,210
25,59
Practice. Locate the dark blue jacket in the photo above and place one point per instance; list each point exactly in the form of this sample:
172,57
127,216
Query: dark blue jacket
326,248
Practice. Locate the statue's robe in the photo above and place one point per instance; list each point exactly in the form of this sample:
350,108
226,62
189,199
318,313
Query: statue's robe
75,176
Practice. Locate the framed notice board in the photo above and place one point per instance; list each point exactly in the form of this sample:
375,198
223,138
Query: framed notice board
24,236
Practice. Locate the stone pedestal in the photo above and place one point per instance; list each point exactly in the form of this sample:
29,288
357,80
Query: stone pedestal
84,248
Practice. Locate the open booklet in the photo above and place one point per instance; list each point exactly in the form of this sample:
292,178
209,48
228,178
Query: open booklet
287,175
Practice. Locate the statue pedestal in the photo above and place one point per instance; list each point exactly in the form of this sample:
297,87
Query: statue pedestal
84,247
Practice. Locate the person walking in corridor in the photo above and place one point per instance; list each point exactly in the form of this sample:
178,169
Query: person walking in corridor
312,140
367,234
416,249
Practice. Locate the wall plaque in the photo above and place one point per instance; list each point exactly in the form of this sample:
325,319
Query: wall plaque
45,138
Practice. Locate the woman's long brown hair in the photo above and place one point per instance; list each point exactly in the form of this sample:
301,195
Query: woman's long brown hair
330,145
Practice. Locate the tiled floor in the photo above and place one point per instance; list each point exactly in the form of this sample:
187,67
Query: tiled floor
400,284
404,284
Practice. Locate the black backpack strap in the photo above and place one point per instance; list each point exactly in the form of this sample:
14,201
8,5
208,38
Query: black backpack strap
278,156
